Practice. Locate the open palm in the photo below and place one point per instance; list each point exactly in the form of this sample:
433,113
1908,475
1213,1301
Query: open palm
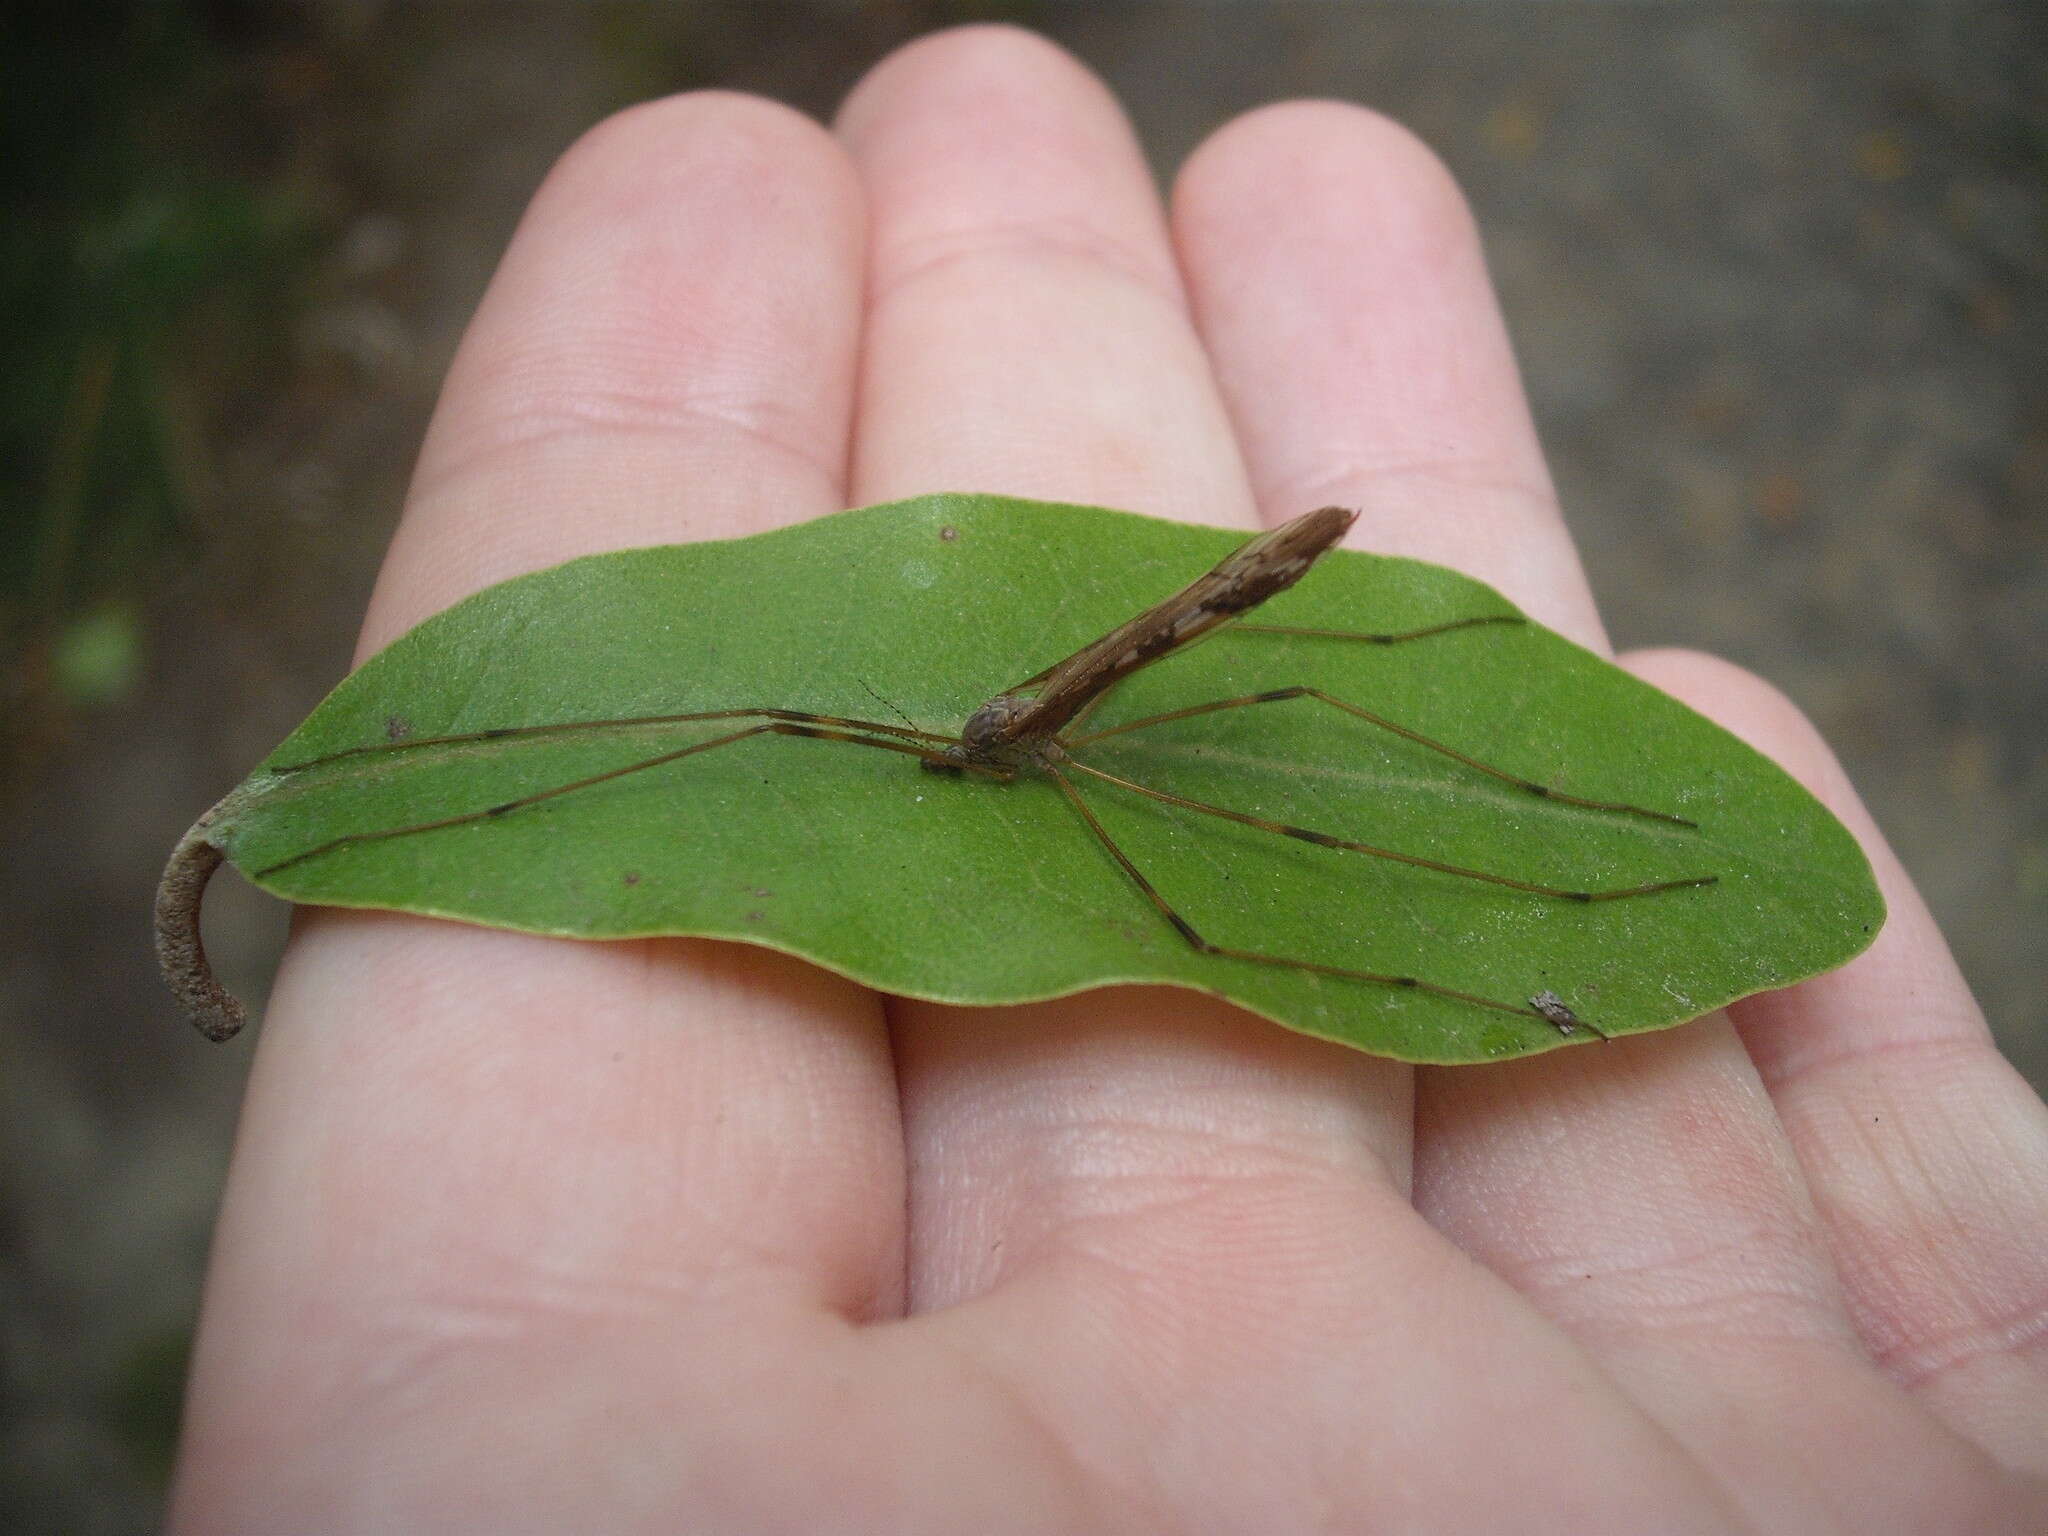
525,1235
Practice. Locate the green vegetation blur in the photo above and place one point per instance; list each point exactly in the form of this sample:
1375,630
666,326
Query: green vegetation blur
141,276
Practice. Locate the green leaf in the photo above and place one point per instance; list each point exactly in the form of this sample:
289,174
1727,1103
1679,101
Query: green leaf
967,890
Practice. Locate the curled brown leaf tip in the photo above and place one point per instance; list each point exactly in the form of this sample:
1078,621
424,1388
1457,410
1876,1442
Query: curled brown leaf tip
217,1013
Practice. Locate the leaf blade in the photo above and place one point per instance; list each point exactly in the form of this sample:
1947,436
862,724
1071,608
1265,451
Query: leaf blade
963,890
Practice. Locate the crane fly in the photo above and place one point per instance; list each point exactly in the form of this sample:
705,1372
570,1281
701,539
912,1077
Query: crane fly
1038,726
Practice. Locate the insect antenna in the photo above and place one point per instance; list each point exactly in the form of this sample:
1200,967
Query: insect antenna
888,704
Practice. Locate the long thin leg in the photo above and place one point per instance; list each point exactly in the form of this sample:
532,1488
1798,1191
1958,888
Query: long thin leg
560,727
1280,695
1201,945
1240,627
1387,639
1325,840
777,727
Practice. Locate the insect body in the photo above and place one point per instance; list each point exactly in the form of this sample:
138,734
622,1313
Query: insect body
1025,721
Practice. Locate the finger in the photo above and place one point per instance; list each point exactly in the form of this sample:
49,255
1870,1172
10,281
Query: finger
681,301
1926,1153
1026,329
1027,333
460,1140
1173,1206
1340,287
1645,1197
1338,280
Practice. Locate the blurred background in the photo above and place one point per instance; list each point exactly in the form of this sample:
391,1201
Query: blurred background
1775,273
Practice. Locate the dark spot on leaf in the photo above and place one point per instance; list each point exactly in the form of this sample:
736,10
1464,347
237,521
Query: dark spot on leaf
948,534
396,728
756,917
763,892
632,877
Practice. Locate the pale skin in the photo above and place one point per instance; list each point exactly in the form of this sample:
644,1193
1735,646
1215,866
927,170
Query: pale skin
677,1236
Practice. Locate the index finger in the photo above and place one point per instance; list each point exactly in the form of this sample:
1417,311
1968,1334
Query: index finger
462,1145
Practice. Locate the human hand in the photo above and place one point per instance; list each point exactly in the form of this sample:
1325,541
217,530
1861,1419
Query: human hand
684,1236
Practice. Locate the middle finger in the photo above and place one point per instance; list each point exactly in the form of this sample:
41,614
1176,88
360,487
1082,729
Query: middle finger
1027,333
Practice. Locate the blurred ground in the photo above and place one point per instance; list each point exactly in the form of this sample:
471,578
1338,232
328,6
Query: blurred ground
1776,277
